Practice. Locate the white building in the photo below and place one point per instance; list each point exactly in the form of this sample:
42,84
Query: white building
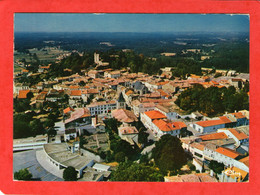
162,127
101,107
239,137
148,117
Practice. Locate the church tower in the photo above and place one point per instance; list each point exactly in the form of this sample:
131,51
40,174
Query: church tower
120,103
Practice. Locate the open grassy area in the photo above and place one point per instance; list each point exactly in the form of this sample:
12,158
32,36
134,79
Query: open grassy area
45,54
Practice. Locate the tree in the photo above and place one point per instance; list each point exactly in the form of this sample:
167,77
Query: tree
48,123
168,153
23,174
239,84
120,157
29,95
131,171
52,132
82,83
36,127
70,174
216,166
122,146
142,136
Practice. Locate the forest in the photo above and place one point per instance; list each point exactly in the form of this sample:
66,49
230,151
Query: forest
213,100
226,51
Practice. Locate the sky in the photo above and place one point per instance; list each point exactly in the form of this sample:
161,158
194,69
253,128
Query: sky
68,22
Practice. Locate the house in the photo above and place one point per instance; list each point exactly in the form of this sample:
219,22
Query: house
200,177
139,107
124,116
238,136
162,127
20,86
103,107
38,101
218,139
233,174
148,117
23,94
54,95
211,125
93,74
101,167
168,109
197,150
240,118
139,88
75,94
89,94
81,116
226,156
129,134
70,134
68,110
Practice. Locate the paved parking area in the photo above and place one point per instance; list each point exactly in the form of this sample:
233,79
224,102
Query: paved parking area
27,159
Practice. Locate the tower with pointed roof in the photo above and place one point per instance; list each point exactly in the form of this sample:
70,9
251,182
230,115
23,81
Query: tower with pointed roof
120,103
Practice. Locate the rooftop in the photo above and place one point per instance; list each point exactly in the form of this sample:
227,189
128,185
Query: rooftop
155,114
209,123
228,152
200,177
214,136
23,94
238,135
128,130
78,113
124,115
245,161
59,153
169,126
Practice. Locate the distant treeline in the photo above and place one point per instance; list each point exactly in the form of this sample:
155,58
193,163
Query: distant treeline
227,51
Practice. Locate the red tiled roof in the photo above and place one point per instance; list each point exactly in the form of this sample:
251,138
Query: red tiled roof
66,110
154,114
210,123
245,161
238,135
129,92
73,87
23,94
78,113
225,119
228,152
198,146
75,93
214,136
215,83
162,83
124,115
168,126
238,115
90,91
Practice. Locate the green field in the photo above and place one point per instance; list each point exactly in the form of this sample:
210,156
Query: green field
45,54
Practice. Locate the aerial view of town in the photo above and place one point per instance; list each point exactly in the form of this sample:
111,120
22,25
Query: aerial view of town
131,97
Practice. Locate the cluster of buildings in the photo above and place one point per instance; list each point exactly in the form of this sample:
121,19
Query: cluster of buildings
102,93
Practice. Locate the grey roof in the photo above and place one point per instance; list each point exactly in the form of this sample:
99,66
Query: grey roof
101,167
121,98
222,142
138,85
244,129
